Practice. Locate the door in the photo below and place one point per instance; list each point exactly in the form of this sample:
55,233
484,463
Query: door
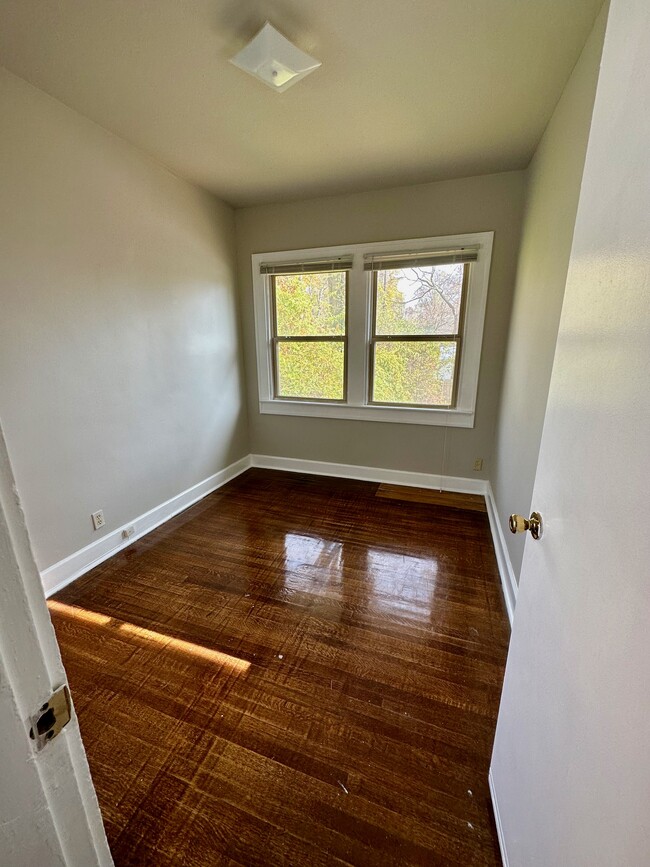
570,772
49,814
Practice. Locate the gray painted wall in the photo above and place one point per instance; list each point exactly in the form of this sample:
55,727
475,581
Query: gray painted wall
555,175
121,379
490,202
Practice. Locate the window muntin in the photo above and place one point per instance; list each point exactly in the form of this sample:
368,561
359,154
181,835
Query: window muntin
310,335
417,323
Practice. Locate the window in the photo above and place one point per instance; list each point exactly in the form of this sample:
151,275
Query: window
389,331
416,339
310,335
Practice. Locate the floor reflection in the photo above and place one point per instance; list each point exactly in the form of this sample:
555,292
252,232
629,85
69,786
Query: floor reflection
401,583
361,577
312,563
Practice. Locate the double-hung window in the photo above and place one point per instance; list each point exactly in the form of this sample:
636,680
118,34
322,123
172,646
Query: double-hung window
417,318
389,331
309,304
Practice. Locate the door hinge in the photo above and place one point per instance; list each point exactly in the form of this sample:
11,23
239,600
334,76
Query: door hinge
51,717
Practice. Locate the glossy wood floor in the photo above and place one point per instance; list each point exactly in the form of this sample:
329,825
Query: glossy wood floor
295,671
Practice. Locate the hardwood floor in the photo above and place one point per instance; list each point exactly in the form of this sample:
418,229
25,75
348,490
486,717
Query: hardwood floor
292,672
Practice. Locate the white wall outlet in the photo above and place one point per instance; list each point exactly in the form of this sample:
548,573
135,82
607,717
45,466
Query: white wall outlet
98,519
478,464
127,532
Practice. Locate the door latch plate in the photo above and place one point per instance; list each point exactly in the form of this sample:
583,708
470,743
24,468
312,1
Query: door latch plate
51,717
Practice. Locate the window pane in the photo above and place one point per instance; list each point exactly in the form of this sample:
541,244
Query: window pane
310,305
312,370
419,372
419,300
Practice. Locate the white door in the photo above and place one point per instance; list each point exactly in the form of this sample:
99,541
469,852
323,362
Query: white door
570,769
49,815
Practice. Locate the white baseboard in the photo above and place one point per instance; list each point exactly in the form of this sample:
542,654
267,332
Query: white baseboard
372,474
497,820
508,580
56,577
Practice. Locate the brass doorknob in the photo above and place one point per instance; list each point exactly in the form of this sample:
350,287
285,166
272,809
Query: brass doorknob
519,524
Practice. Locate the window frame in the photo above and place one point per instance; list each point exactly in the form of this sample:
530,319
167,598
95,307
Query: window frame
329,338
360,324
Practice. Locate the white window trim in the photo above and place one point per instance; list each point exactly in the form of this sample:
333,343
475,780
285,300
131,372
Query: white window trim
359,322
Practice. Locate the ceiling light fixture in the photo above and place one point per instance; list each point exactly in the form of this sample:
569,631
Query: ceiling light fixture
277,62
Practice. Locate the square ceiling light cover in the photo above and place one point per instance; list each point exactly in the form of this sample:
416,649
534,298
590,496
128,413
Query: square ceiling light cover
277,62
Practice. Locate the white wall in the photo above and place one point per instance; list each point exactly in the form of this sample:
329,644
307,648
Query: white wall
120,373
487,203
552,199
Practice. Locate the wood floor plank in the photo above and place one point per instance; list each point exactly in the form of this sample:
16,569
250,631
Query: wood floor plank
450,499
297,670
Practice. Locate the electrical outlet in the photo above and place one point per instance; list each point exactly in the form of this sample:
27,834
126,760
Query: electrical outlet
127,532
478,464
98,519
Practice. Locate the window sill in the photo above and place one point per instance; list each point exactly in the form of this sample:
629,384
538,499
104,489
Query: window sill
396,414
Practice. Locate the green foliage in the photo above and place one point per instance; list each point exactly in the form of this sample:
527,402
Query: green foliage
311,305
311,370
414,372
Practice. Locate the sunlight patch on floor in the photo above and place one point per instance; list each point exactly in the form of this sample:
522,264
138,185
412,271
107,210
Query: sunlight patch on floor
79,613
164,641
189,647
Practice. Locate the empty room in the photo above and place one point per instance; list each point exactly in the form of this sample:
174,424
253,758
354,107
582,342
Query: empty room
324,426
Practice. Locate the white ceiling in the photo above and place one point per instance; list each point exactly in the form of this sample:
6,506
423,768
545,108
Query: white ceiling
409,90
